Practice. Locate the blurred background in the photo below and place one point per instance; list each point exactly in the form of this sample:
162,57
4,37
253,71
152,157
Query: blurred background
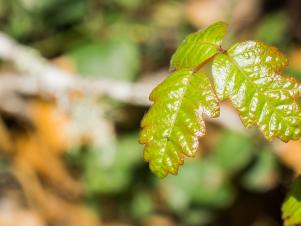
75,76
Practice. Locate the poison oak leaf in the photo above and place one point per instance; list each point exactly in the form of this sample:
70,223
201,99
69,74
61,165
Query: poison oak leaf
173,125
249,74
199,47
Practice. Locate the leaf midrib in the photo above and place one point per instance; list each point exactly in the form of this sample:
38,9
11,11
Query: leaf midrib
178,110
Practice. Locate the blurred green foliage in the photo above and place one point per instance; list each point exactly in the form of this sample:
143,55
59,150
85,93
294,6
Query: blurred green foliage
202,186
112,59
100,178
261,175
122,39
272,29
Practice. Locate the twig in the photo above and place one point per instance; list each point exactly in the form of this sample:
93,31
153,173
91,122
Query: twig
45,77
41,77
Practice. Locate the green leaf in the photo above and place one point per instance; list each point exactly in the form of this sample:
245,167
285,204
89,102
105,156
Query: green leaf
272,28
198,216
174,123
201,182
114,59
291,208
249,74
199,47
99,178
262,176
142,204
233,144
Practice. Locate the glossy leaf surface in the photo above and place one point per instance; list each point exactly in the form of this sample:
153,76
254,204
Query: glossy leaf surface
174,123
199,47
249,74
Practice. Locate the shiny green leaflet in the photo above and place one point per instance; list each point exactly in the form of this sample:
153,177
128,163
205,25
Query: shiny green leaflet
249,75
